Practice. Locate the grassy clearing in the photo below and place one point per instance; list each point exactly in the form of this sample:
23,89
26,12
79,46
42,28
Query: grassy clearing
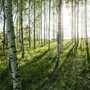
37,68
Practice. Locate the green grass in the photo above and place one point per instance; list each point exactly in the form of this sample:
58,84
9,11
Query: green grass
38,72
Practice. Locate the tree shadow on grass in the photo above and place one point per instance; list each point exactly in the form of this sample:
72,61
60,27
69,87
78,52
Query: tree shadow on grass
61,74
33,75
67,45
51,79
37,57
71,53
68,74
38,66
37,75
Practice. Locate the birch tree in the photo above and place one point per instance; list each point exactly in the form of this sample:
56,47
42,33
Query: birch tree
58,33
34,26
49,24
12,47
4,29
87,48
29,25
21,27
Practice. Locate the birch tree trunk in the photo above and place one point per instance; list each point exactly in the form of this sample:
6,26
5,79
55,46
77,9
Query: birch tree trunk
82,31
58,34
53,22
41,22
12,47
44,21
21,28
4,29
49,24
59,25
29,25
78,22
17,24
34,26
72,22
87,48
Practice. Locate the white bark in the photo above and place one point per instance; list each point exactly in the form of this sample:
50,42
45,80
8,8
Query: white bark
12,46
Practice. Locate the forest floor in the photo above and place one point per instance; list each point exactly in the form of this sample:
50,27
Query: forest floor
38,72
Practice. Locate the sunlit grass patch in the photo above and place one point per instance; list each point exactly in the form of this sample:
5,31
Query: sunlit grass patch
37,68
